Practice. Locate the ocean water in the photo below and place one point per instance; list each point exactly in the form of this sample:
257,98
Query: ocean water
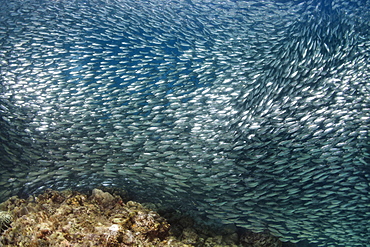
253,113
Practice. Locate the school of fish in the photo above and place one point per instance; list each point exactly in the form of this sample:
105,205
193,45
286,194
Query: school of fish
253,113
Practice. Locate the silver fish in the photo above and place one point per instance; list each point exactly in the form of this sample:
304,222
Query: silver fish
250,113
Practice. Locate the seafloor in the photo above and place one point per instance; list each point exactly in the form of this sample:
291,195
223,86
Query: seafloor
71,218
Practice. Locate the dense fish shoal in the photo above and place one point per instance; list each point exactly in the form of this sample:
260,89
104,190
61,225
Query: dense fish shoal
253,113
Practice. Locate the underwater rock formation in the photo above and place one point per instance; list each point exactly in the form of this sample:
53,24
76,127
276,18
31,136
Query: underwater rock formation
73,219
69,218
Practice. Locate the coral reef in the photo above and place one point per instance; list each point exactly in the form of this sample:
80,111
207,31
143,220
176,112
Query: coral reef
70,218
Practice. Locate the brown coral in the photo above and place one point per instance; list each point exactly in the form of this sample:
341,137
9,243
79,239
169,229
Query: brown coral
69,218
